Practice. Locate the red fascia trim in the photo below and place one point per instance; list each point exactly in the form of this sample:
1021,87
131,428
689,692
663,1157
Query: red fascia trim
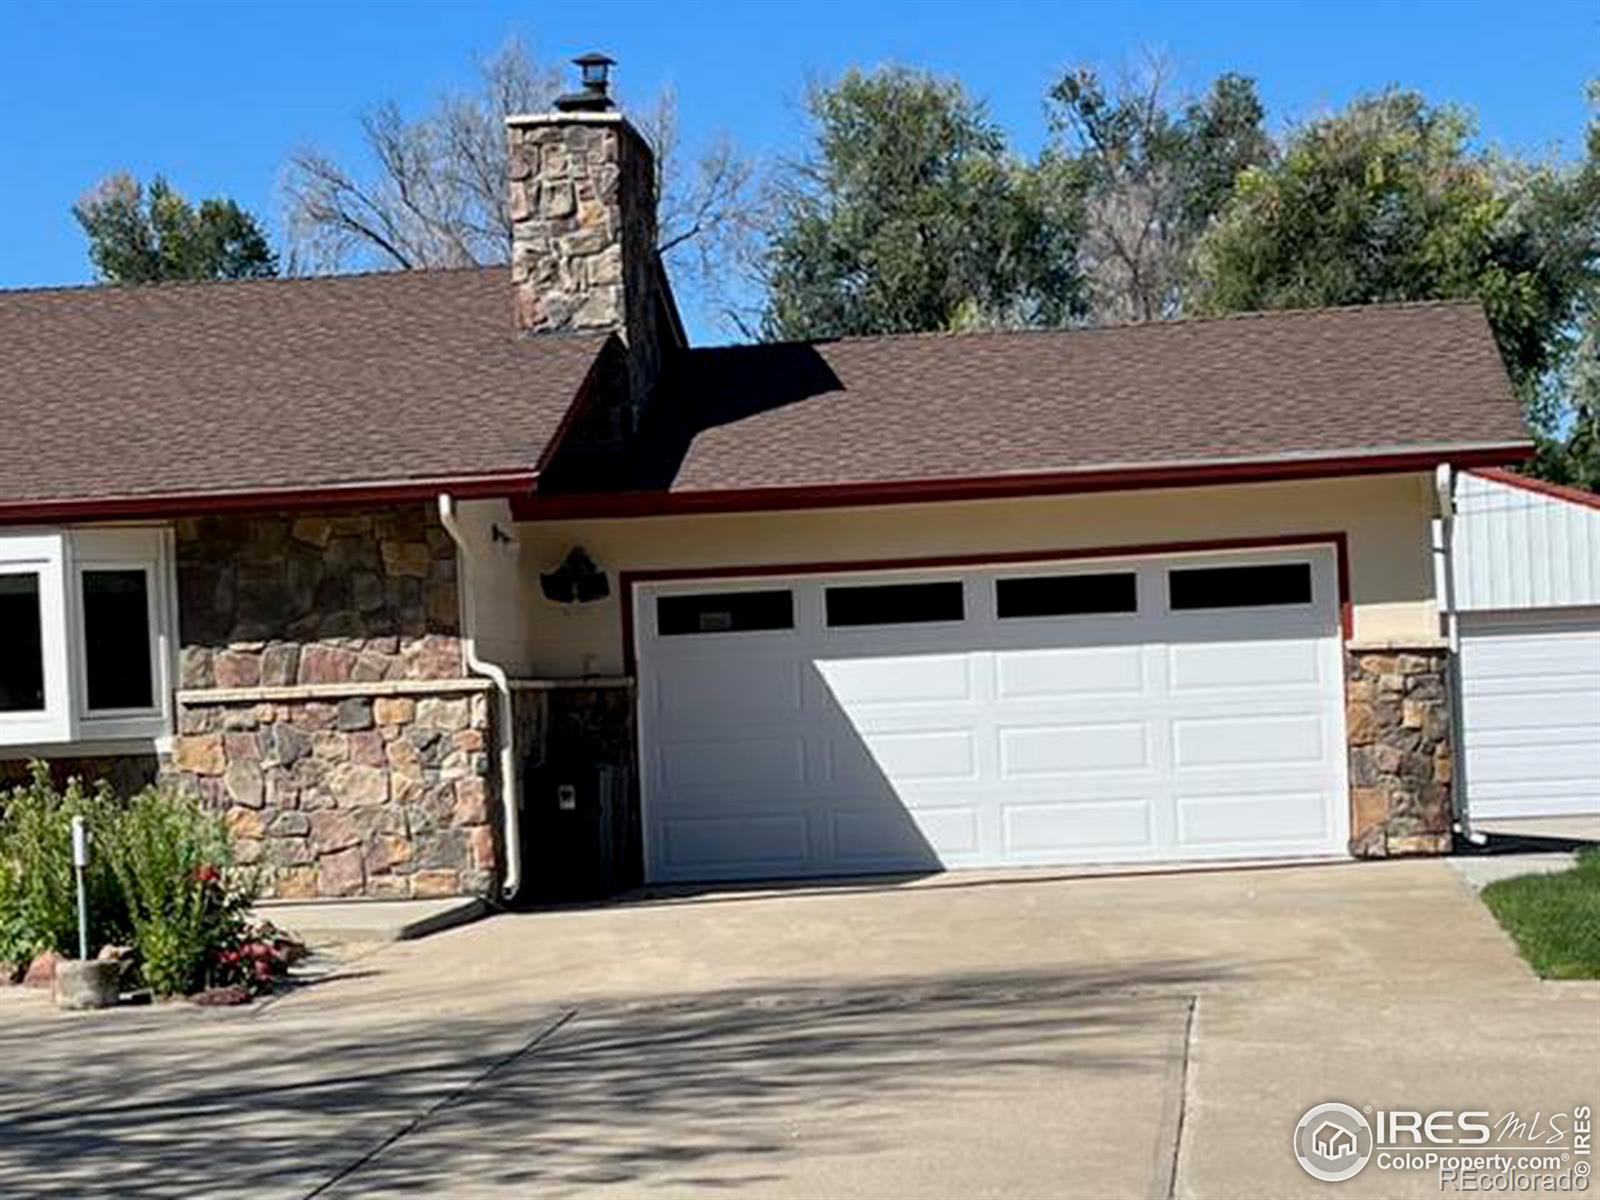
203,503
544,507
1557,491
627,580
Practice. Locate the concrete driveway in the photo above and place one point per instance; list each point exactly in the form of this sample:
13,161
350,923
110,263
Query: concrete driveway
1128,1036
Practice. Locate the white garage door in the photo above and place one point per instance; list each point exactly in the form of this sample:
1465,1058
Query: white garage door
1530,687
1106,712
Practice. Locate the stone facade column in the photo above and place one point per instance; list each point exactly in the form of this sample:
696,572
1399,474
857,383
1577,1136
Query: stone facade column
1401,754
583,251
325,707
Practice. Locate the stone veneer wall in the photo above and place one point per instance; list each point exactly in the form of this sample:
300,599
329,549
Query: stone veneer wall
583,220
324,704
1401,760
278,600
386,796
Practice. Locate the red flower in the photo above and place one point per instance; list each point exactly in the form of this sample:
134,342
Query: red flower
208,874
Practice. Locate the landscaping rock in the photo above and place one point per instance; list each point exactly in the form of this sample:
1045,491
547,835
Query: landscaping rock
85,984
116,954
41,971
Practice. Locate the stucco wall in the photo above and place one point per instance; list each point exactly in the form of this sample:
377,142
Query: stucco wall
1386,519
499,590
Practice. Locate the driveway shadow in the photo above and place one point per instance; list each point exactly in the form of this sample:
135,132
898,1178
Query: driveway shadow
696,1088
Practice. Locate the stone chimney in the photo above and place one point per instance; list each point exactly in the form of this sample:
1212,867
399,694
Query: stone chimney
583,222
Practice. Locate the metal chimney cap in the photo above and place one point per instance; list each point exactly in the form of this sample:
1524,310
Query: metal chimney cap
595,71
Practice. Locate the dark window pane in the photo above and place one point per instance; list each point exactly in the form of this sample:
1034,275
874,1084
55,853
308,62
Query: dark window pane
116,634
1066,595
724,612
21,645
895,604
1240,587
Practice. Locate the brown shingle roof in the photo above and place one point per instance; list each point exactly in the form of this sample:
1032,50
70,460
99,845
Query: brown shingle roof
128,395
188,389
1305,384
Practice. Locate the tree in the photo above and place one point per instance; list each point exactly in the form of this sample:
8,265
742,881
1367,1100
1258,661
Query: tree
437,196
911,215
1388,201
143,235
1571,400
1149,177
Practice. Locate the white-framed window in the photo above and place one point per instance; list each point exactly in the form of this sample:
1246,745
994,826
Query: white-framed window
86,635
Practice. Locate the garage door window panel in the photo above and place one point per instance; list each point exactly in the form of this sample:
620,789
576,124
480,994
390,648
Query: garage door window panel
725,612
1261,585
895,604
1102,594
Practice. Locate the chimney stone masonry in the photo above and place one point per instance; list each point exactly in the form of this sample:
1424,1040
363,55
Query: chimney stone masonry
583,214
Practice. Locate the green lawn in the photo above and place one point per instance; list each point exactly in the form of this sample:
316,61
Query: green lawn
1555,919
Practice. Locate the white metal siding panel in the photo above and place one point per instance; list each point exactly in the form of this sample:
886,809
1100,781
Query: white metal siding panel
1519,549
1152,736
1531,711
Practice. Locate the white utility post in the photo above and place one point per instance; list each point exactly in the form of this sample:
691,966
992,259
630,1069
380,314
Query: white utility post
80,860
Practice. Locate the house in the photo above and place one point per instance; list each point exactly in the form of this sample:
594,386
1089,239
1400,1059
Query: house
1155,594
1526,605
1333,1141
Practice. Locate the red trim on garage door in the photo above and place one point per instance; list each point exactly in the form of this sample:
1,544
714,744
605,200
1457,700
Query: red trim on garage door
627,580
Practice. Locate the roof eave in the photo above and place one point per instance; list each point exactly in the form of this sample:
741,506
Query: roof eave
190,504
1556,491
553,507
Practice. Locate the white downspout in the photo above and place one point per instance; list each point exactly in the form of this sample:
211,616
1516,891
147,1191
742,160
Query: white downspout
510,789
1444,487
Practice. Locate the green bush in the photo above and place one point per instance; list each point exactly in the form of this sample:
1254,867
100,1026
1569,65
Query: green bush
158,877
171,858
38,895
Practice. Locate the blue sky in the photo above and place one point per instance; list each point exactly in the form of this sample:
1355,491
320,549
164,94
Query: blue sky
216,95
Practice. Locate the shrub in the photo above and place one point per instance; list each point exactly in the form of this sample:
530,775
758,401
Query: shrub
38,894
158,876
262,955
171,859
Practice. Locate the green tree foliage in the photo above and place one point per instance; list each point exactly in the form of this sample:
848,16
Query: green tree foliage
144,235
1148,176
913,216
1571,399
1388,201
